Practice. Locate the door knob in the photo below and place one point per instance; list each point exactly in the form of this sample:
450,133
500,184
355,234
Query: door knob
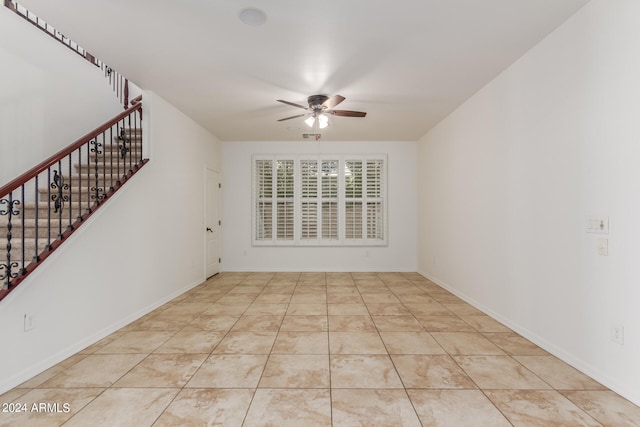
208,229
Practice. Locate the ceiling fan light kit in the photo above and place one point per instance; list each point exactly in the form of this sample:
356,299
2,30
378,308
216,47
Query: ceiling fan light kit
320,106
322,119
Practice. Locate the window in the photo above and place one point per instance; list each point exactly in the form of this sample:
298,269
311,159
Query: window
308,200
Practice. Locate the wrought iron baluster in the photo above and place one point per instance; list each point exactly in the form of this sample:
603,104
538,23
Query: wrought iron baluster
104,165
6,269
98,193
137,141
79,217
69,187
111,188
124,141
58,185
130,153
49,196
125,149
59,198
126,93
36,256
139,131
89,209
22,236
118,162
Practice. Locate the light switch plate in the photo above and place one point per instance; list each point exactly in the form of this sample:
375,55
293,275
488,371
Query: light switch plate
597,224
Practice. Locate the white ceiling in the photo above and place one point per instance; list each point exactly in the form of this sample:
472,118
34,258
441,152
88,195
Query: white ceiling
408,63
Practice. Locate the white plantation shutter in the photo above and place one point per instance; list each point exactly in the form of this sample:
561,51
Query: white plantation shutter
284,212
330,220
353,199
329,191
309,220
264,199
319,201
374,196
309,199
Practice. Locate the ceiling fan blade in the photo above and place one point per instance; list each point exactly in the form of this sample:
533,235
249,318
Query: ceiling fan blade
292,117
292,104
348,113
333,101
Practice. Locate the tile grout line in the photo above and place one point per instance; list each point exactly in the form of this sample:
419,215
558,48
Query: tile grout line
404,387
181,389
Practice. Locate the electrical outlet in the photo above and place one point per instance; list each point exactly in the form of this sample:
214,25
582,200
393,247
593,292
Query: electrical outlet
29,322
603,247
617,334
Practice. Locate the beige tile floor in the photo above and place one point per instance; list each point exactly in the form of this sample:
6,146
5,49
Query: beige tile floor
317,349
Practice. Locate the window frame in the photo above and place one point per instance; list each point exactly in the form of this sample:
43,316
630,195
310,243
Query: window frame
319,240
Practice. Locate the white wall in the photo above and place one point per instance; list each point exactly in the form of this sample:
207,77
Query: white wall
239,255
145,246
49,96
507,181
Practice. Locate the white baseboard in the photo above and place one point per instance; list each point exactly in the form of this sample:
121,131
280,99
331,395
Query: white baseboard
559,352
37,368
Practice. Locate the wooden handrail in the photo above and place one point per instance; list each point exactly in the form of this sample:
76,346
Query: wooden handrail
36,170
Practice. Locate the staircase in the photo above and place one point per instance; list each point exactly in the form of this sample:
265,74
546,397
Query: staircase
76,195
41,208
44,206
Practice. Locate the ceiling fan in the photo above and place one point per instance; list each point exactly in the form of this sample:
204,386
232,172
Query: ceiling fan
319,109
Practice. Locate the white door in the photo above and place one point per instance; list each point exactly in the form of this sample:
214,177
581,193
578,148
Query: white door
212,223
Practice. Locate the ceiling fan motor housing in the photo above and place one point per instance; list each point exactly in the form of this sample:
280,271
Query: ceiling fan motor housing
315,101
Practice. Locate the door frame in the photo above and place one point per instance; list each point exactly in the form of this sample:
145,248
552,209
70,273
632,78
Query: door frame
218,191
